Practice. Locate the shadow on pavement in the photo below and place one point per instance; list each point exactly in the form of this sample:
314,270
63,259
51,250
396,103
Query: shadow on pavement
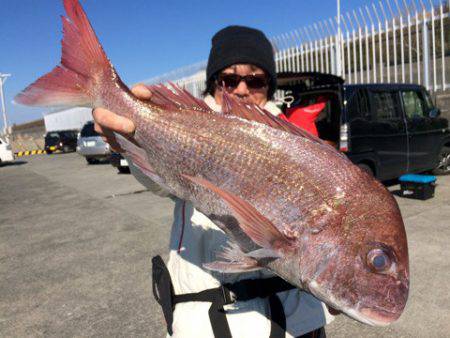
10,164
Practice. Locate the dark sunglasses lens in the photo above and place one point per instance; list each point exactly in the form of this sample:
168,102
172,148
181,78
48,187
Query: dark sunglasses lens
229,80
233,80
256,81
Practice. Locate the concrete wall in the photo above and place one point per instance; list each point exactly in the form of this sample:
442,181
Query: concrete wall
28,136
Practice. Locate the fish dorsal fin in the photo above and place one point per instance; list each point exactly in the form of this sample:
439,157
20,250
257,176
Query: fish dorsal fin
252,112
175,98
179,98
255,225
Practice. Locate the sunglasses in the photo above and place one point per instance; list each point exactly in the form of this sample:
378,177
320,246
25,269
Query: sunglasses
255,81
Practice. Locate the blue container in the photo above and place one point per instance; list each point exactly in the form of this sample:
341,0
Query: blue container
417,186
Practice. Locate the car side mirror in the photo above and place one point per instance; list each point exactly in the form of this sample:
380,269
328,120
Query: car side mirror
435,112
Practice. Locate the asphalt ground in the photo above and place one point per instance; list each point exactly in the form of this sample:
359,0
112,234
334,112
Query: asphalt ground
76,243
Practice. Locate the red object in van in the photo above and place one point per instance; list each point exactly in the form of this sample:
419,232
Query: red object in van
305,116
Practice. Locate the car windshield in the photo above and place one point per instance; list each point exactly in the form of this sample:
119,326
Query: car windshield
50,136
88,130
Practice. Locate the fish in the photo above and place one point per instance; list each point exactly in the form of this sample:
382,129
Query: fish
288,202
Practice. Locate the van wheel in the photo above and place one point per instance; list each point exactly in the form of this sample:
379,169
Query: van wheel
443,167
366,168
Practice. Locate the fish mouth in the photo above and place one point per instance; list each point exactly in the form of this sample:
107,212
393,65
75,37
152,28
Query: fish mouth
377,317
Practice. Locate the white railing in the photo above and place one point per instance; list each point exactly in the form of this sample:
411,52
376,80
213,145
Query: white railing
386,42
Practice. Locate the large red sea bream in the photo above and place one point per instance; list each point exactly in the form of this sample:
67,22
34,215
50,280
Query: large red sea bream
288,202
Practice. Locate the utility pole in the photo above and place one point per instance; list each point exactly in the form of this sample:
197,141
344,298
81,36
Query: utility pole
3,78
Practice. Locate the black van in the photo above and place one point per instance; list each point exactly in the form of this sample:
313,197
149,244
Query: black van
63,140
386,129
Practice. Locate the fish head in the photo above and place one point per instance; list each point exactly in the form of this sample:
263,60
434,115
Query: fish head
362,268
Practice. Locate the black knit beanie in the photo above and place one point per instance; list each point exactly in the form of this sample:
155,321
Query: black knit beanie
238,44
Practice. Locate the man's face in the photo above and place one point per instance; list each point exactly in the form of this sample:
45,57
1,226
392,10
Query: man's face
249,89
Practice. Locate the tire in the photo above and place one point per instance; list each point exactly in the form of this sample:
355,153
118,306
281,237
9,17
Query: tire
364,167
443,167
91,160
66,149
123,170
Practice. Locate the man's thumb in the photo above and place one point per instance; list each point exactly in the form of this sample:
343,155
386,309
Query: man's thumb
141,91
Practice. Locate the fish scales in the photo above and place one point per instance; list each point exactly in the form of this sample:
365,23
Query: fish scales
198,144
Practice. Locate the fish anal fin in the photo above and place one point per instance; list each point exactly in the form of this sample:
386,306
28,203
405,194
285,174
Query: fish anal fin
140,160
253,224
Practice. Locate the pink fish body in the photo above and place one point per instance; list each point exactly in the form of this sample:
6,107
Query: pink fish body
288,202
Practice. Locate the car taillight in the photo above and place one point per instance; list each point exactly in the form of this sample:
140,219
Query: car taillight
343,138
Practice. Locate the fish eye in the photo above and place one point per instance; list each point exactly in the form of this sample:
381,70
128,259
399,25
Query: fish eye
378,260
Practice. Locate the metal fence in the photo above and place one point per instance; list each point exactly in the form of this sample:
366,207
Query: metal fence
384,42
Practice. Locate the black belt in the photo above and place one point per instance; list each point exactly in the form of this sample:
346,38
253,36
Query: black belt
219,297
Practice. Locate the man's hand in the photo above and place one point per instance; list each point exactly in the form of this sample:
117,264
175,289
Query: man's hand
107,122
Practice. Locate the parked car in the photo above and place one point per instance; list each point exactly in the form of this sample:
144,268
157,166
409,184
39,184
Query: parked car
386,129
63,140
91,145
6,154
119,162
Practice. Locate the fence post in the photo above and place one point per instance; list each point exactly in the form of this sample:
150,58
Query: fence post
425,53
433,41
380,43
443,45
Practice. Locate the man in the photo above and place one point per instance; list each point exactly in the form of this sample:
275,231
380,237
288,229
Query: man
241,62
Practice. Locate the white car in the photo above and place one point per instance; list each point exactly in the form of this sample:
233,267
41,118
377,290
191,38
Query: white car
6,154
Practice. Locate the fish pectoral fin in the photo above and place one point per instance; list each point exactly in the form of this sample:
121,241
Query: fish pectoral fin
253,224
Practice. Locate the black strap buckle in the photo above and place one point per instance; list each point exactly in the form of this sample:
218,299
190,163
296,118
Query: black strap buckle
228,296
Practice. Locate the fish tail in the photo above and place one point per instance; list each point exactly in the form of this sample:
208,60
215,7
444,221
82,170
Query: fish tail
84,66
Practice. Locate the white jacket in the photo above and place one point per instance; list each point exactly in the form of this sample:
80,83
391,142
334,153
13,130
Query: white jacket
195,240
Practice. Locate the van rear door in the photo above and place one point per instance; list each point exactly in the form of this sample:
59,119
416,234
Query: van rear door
388,133
424,132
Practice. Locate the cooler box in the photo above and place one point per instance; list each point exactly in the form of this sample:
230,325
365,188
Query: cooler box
417,186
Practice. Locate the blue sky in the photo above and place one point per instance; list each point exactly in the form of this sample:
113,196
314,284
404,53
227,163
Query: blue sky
143,38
